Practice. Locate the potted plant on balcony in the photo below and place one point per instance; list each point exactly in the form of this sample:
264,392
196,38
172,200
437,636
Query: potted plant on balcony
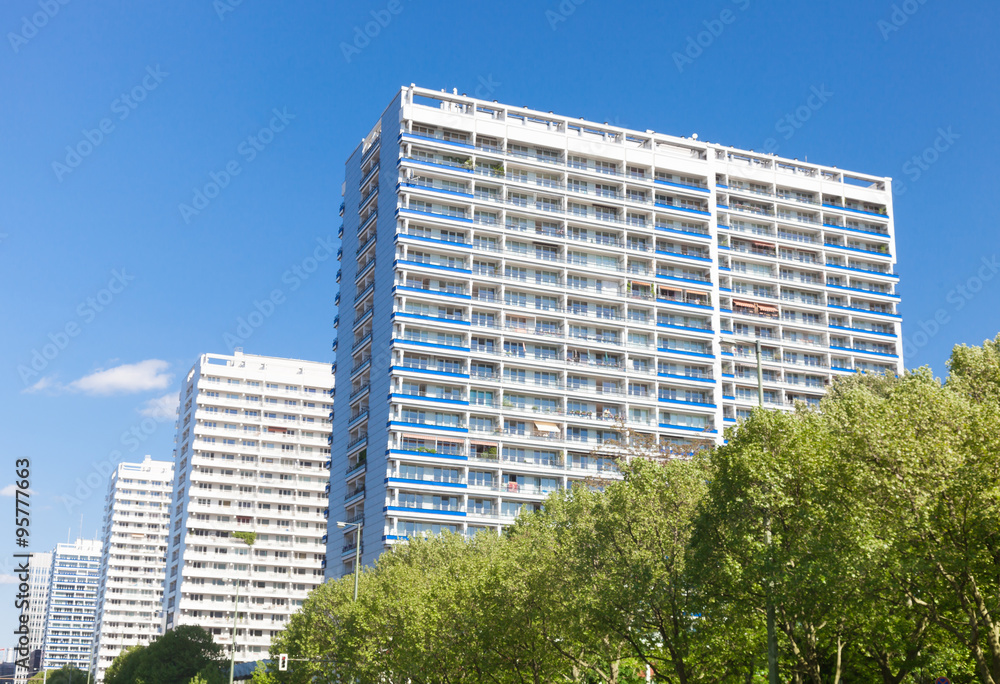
498,170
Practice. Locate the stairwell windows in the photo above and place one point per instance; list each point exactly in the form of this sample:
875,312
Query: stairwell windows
545,378
514,349
516,298
546,352
546,303
546,278
481,424
606,167
606,190
546,328
514,375
481,398
515,427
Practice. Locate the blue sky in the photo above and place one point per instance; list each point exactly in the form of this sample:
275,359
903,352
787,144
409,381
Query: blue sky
98,260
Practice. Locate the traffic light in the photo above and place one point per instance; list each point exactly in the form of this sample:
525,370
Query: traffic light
283,662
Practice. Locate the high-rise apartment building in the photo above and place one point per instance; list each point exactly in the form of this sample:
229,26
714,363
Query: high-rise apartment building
39,574
136,522
251,456
514,283
70,616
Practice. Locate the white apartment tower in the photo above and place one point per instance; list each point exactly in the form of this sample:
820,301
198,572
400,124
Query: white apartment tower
252,452
515,282
39,574
136,522
71,612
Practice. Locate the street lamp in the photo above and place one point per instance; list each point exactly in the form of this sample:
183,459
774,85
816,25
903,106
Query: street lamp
772,638
248,538
357,552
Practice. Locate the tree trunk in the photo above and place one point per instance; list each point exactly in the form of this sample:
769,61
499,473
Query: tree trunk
840,653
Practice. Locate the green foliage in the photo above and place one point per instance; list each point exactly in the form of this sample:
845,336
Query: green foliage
261,675
248,538
184,655
67,674
871,527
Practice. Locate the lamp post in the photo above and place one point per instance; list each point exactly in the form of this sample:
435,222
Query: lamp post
357,552
248,538
772,639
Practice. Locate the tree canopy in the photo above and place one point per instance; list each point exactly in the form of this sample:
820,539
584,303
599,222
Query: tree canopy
871,528
67,674
178,657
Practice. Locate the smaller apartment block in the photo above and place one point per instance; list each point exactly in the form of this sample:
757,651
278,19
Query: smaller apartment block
71,613
136,522
251,456
39,571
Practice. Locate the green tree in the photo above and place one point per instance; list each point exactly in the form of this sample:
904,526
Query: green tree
622,590
871,527
770,532
932,453
963,548
174,658
125,667
975,372
67,674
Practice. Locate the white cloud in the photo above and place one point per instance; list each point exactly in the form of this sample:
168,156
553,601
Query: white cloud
45,383
10,489
8,579
124,379
134,377
161,408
